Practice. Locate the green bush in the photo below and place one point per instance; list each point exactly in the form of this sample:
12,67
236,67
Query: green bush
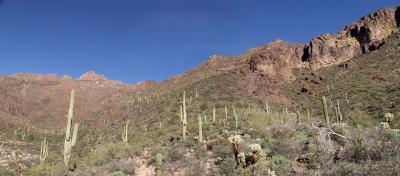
117,173
280,163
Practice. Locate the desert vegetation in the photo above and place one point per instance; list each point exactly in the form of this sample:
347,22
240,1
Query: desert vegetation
341,119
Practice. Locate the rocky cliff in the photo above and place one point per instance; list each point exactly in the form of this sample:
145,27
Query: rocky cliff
366,35
363,36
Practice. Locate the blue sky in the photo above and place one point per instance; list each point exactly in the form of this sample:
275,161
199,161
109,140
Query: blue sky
134,40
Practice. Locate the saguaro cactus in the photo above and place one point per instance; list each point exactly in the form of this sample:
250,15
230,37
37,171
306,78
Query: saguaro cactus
226,112
325,106
214,114
340,115
200,129
236,116
297,117
183,116
125,132
267,108
159,159
44,152
70,140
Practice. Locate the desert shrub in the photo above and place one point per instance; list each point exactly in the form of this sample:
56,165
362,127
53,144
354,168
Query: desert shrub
6,172
360,118
280,164
301,136
227,167
174,154
223,150
46,169
107,152
199,151
260,168
123,166
193,167
279,146
117,173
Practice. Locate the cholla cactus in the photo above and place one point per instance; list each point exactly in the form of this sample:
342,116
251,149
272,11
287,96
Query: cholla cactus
389,117
242,159
271,172
256,152
236,141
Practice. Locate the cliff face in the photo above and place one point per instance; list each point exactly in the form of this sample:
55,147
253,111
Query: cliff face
360,37
278,58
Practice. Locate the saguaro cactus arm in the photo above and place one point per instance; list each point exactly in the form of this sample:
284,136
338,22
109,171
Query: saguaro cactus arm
75,135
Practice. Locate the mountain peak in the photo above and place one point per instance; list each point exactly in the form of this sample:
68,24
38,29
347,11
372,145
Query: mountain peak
92,76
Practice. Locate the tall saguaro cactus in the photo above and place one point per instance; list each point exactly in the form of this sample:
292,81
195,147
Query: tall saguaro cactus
183,116
44,152
325,106
226,112
339,112
159,159
200,129
267,108
125,132
236,116
214,114
70,140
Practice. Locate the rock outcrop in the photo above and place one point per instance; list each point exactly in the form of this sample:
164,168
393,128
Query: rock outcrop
277,59
363,36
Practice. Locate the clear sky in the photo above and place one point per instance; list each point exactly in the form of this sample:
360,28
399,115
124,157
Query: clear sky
134,40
